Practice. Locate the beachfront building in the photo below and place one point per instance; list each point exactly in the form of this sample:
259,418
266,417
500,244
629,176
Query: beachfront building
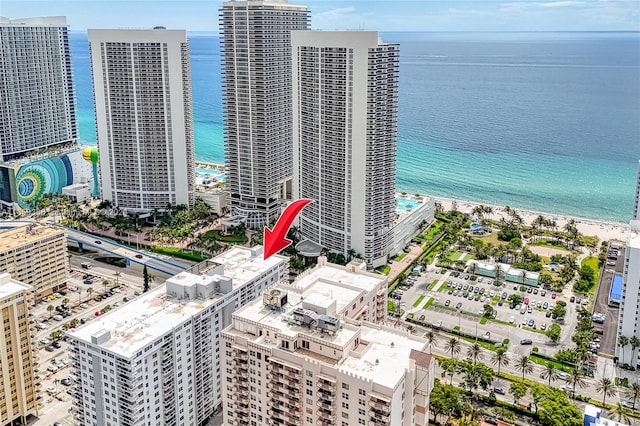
593,417
18,358
628,324
256,72
412,215
156,360
36,254
345,117
144,120
298,357
36,86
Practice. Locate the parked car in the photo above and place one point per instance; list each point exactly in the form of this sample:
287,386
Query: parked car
499,391
41,326
422,317
530,323
52,367
553,295
459,305
447,302
543,327
56,345
66,382
58,317
526,342
512,319
49,348
572,299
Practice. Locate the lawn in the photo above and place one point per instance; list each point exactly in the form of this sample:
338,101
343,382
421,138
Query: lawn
468,256
399,257
177,252
417,302
215,234
493,239
429,303
390,305
385,269
455,255
433,284
542,361
593,263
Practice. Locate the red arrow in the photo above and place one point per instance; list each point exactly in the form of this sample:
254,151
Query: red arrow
276,240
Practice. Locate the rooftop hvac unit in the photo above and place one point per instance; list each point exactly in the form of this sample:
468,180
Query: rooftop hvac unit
275,299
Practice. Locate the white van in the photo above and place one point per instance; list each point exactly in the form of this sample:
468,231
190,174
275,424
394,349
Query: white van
523,309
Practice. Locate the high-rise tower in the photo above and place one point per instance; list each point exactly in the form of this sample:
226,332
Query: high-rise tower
636,210
256,58
345,117
37,104
142,86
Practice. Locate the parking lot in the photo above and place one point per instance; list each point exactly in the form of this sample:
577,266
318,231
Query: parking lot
54,370
458,301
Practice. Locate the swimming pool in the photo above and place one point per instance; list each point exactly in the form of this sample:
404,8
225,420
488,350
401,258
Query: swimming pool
476,227
202,172
403,204
615,294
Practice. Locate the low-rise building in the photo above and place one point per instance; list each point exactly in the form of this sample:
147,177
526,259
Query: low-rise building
156,360
412,215
36,254
309,353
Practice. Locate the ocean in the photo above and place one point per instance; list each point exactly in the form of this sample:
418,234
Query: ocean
542,121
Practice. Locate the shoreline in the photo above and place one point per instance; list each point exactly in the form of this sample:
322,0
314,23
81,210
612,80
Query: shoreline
603,229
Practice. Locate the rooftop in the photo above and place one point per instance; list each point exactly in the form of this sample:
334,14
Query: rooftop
385,357
244,264
21,235
9,287
139,322
345,277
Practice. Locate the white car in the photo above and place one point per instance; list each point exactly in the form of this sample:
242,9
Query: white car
58,317
84,305
512,319
66,361
52,367
41,326
44,341
115,290
52,389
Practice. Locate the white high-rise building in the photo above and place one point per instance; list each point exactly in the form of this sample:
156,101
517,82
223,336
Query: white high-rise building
142,87
256,63
37,102
345,119
628,324
636,210
156,360
308,354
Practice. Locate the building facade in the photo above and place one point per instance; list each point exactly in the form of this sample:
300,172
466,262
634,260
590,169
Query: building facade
345,118
156,360
298,357
144,118
628,318
36,254
256,72
38,105
18,359
409,223
636,210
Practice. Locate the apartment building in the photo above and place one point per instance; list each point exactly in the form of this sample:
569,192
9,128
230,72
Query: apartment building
308,354
628,318
36,254
256,72
636,210
156,360
144,119
36,86
18,392
345,119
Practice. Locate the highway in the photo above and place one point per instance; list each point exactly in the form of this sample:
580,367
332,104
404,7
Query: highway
105,245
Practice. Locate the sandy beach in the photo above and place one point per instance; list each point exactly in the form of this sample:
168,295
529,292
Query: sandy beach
603,230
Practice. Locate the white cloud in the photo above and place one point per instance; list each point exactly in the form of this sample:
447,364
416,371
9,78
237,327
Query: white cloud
334,13
561,3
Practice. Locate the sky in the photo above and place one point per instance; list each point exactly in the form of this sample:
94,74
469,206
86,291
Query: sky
389,15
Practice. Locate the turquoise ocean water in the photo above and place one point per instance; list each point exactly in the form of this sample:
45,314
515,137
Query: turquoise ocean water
542,121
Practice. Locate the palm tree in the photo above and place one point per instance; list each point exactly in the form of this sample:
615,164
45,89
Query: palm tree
453,346
500,358
607,388
50,308
474,352
621,414
633,392
525,365
89,291
550,372
432,339
576,379
635,343
623,341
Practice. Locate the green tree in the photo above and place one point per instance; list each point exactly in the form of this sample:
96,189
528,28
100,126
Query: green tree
146,285
623,341
556,410
500,358
117,274
635,344
553,333
444,400
550,373
576,378
474,352
559,310
633,392
606,388
525,365
621,414
89,291
449,368
432,339
518,390
453,346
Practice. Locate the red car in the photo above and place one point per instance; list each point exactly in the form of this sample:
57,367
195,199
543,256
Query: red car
526,300
553,295
98,313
